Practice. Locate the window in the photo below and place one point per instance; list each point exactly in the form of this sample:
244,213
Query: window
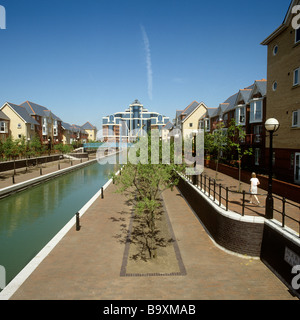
256,111
296,76
275,50
274,86
207,124
296,119
3,127
297,36
257,130
201,125
55,131
257,156
19,126
240,116
191,125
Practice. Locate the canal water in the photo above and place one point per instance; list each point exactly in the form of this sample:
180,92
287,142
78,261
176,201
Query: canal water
31,218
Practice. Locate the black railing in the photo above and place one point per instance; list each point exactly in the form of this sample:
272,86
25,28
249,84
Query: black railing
283,211
221,196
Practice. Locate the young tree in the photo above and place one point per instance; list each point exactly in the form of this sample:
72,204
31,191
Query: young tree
145,182
236,135
21,146
9,148
36,146
216,143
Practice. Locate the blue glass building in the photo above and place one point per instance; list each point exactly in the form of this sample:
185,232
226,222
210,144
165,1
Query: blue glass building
134,122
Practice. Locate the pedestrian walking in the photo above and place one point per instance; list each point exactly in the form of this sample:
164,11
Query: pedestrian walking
253,188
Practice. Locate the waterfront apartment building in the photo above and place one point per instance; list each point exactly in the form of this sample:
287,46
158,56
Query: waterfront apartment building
49,125
134,122
90,130
247,108
283,96
20,122
187,120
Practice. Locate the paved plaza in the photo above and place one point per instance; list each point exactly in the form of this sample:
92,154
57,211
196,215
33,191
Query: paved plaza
86,264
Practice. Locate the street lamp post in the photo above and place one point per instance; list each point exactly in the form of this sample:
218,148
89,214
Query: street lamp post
271,125
194,155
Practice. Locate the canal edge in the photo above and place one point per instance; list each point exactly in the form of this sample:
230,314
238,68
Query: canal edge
22,276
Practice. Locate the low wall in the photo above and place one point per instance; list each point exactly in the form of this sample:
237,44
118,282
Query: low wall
281,188
79,155
7,191
281,252
230,230
277,247
18,164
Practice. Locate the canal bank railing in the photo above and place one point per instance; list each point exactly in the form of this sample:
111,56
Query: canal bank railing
226,198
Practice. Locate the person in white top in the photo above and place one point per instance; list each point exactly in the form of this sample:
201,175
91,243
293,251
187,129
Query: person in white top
253,188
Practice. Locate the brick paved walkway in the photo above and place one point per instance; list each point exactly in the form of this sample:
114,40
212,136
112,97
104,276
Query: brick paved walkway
86,264
236,199
34,171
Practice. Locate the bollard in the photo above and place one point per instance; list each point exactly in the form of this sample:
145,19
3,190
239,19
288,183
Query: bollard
226,198
102,195
13,179
77,222
283,211
243,205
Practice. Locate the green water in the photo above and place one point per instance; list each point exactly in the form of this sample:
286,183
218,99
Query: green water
31,218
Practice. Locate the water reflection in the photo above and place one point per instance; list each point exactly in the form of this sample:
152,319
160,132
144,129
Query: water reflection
29,219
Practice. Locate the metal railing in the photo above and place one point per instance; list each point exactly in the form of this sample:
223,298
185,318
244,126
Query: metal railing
221,196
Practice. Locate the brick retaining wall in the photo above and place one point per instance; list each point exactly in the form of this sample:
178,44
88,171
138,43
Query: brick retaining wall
233,234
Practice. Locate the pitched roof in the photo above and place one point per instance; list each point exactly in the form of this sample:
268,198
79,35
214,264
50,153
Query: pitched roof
22,112
168,126
283,26
66,126
3,116
36,109
88,126
77,128
188,110
211,111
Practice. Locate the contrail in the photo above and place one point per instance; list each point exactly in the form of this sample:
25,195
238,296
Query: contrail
148,61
